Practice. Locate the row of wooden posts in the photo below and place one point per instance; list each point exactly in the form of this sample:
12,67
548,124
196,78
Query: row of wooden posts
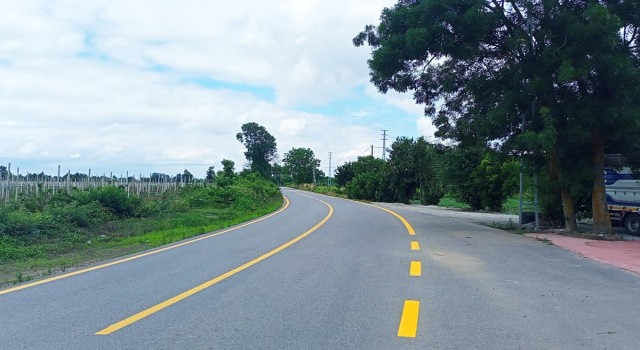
12,186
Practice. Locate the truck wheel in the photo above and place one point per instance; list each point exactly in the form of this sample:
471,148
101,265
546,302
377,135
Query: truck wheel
632,223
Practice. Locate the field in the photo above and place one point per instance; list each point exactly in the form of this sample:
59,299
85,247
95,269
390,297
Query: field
50,232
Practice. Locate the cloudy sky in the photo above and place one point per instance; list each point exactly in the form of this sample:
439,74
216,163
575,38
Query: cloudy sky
143,86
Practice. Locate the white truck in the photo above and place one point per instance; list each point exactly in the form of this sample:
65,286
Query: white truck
623,198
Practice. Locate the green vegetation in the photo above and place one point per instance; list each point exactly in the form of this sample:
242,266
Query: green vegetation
334,191
420,172
554,81
47,233
451,202
302,165
261,148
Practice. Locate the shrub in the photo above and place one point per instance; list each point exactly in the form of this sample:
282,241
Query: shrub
81,215
23,223
115,200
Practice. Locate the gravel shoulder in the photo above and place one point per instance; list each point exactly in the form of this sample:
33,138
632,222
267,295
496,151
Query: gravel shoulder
489,218
456,214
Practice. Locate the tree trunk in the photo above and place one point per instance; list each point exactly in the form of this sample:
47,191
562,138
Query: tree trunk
601,219
568,209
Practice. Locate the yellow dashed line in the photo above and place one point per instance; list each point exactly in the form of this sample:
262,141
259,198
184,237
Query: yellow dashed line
416,269
409,320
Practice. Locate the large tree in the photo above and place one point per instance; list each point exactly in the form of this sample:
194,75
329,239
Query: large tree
187,177
228,168
344,174
211,175
479,66
261,147
302,164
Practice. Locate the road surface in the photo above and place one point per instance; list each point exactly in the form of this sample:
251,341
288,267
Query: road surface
327,273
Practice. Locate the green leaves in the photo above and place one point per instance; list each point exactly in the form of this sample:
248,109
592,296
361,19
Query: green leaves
261,147
478,65
302,165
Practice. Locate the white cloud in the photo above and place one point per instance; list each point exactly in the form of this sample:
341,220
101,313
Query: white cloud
104,84
425,127
402,101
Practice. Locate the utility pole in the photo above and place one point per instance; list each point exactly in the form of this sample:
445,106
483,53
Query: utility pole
384,144
314,175
372,150
329,177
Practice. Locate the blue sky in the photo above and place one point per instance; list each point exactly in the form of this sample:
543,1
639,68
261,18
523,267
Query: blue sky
142,86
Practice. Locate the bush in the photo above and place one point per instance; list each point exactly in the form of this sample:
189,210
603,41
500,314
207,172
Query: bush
479,177
81,215
114,199
23,223
369,186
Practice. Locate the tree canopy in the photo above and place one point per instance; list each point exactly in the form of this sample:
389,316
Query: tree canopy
210,176
301,164
570,68
261,147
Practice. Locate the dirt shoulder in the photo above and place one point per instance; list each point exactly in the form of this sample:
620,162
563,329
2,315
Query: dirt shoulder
453,213
490,218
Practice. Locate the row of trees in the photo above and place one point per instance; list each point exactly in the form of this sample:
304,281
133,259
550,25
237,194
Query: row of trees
299,165
419,171
555,81
416,170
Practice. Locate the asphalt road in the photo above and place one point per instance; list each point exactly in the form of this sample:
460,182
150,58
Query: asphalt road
334,274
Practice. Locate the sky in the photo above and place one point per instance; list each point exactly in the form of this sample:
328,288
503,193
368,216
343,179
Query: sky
143,86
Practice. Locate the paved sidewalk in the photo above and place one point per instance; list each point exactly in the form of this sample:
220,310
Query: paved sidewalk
623,254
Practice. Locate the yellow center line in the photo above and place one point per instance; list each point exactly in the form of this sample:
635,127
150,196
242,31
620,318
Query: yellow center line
77,272
406,224
415,245
142,314
416,269
409,320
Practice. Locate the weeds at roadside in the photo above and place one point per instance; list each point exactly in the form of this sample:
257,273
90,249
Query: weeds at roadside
510,226
58,236
547,241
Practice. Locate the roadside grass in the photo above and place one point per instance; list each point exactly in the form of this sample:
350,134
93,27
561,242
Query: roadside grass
333,191
451,202
37,255
510,206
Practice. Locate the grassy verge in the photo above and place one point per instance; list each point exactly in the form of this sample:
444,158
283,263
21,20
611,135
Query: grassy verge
510,206
450,202
191,212
333,191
